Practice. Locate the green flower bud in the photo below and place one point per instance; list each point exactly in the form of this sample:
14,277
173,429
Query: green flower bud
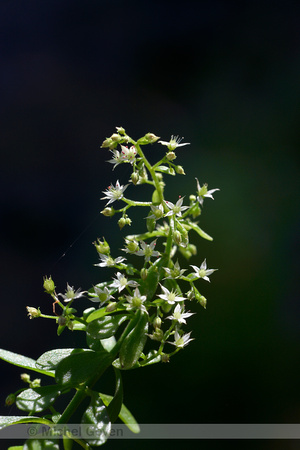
102,247
192,198
122,222
108,212
128,221
112,306
171,156
144,273
157,335
135,177
180,170
116,138
132,246
35,383
177,237
25,377
120,130
33,312
49,285
165,358
157,322
149,138
10,400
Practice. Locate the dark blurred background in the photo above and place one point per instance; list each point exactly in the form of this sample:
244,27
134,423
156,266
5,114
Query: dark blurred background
226,77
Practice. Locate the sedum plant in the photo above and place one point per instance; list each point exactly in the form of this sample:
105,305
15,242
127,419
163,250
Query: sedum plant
136,318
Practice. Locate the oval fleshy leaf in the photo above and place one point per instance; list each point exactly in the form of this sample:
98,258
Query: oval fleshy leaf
104,327
23,361
125,415
79,367
6,421
50,360
41,444
97,418
37,399
115,405
134,342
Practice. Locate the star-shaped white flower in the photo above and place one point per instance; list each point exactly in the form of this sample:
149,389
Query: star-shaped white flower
176,209
175,272
121,282
136,301
114,193
108,261
116,159
181,341
128,154
203,192
101,295
179,315
173,143
147,250
202,271
170,296
71,294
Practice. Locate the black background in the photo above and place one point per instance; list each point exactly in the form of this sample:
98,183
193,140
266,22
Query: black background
226,77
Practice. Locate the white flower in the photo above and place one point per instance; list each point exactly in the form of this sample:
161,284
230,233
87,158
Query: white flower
128,154
121,282
71,294
147,250
203,192
176,209
179,315
117,158
202,271
170,297
176,272
114,193
181,341
136,300
158,212
102,295
173,143
108,261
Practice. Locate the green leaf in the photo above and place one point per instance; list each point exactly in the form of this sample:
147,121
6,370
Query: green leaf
148,286
23,361
125,415
134,342
79,367
115,405
96,314
6,421
50,360
105,327
97,418
37,399
41,444
19,447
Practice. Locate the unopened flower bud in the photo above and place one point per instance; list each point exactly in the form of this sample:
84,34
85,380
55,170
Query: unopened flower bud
157,335
108,212
157,322
149,138
202,300
49,285
120,130
10,400
61,321
35,383
116,138
112,306
165,358
135,177
171,156
122,222
180,170
192,198
177,237
102,247
25,377
144,273
128,221
33,312
109,143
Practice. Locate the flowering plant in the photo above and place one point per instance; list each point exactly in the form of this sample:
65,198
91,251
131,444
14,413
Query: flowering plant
138,315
